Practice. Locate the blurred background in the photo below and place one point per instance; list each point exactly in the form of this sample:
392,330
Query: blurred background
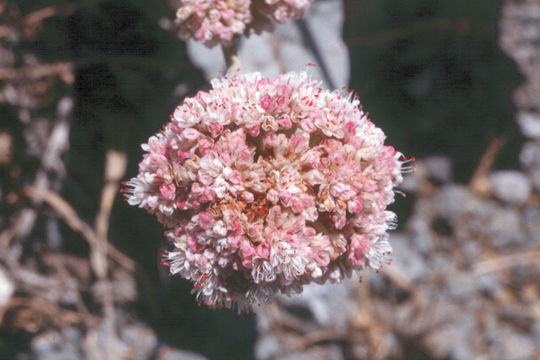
83,83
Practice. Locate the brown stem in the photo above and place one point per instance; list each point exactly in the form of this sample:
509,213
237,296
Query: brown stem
232,60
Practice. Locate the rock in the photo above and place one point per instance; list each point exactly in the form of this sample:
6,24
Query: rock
535,178
141,339
420,235
287,48
536,332
461,286
530,154
453,339
438,168
510,186
504,228
6,288
489,284
413,183
530,124
330,305
530,159
210,60
53,345
450,202
98,344
268,347
325,21
518,347
531,216
408,261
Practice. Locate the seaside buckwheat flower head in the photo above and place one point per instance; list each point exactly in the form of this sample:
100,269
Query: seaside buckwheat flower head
218,21
266,185
213,21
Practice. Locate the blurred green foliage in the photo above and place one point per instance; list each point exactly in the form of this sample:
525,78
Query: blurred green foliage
431,74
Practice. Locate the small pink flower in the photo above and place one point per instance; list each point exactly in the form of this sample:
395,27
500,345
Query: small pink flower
267,103
263,250
284,121
168,191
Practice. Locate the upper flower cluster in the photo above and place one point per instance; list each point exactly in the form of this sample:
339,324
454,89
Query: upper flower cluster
267,185
217,21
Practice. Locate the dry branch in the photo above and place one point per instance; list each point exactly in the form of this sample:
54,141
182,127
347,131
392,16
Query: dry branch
479,182
70,217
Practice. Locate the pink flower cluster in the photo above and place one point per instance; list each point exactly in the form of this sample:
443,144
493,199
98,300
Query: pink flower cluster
267,185
218,21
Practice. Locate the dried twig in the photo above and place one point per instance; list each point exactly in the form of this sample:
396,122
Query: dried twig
479,182
63,70
504,262
70,217
115,168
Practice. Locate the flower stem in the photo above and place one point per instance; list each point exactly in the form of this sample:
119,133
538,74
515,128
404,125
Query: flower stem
232,60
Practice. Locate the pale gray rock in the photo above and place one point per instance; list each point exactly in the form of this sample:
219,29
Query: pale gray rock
510,186
209,60
461,286
536,332
330,304
529,124
489,285
141,339
453,339
439,168
530,159
436,169
411,184
408,260
504,228
268,347
518,346
530,154
6,288
534,175
420,235
450,202
54,345
531,217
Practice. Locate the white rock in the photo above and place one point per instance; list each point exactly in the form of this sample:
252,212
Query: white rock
530,158
530,124
510,186
6,288
439,168
530,155
210,61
